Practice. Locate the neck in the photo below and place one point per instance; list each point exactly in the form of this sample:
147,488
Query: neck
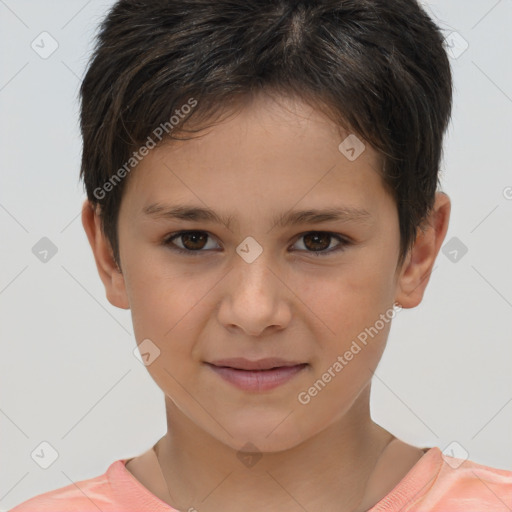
333,466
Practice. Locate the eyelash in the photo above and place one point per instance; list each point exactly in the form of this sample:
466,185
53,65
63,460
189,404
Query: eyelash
168,242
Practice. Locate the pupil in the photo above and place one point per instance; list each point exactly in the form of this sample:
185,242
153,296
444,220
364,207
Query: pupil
316,236
187,236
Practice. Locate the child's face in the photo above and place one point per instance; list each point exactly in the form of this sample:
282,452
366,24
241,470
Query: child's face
216,303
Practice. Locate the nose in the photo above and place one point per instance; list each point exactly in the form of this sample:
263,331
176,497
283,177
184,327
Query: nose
255,297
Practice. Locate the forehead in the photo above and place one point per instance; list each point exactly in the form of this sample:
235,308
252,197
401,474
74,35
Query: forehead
276,150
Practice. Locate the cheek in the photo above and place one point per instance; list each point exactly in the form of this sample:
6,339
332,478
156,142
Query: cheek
167,305
346,299
350,335
347,321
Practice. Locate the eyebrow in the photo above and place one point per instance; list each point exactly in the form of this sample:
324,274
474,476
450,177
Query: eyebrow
290,218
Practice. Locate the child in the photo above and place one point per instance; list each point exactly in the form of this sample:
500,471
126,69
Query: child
262,128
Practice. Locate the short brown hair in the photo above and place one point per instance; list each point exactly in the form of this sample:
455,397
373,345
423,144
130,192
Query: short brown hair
378,67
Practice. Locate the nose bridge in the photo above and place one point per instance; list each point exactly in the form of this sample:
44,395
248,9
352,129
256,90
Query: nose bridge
254,300
256,281
253,270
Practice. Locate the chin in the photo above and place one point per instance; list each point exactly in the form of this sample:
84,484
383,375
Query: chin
269,435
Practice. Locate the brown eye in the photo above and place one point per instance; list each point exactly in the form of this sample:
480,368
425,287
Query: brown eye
193,242
317,243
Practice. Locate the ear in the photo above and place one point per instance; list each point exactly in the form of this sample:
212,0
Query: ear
415,273
109,272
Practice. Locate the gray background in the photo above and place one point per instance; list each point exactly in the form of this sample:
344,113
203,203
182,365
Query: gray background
68,374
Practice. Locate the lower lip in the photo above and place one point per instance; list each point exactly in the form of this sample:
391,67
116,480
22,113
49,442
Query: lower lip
257,380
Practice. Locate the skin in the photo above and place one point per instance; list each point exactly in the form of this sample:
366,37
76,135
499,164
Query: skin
268,158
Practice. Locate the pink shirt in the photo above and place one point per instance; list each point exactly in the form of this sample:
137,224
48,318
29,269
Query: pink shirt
436,483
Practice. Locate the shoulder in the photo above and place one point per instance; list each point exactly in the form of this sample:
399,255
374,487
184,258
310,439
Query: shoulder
442,483
91,495
478,486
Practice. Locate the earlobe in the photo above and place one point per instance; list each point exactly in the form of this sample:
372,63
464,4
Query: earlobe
417,269
108,270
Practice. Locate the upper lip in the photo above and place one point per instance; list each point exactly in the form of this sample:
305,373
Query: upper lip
241,363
